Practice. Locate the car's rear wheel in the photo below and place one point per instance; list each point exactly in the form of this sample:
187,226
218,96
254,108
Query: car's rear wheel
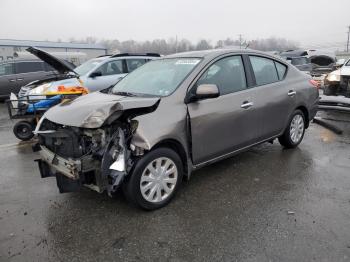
23,130
295,130
154,179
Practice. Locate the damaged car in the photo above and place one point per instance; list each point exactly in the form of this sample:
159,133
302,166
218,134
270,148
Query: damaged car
170,117
338,81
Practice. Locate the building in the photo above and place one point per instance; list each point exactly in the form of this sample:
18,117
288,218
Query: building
9,47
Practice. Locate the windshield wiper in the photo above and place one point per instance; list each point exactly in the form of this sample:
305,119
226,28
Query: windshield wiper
124,93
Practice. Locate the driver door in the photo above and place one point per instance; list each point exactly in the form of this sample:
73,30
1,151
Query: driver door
110,73
225,124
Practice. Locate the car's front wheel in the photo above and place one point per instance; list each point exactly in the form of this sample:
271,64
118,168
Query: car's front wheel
295,130
154,179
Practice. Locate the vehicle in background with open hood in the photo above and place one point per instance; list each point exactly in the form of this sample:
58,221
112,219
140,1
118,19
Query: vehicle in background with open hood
320,62
95,74
172,116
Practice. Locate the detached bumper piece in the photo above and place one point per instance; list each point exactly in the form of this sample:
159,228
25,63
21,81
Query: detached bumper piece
337,103
70,174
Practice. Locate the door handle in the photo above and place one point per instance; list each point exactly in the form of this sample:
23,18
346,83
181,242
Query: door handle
247,104
292,93
19,79
12,80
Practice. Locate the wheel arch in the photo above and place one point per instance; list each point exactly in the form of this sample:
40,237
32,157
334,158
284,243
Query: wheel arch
179,149
305,111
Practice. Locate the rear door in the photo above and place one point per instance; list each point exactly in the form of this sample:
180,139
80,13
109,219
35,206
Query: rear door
274,100
134,63
229,122
7,79
28,71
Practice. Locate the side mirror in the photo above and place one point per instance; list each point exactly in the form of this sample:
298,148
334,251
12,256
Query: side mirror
203,91
96,74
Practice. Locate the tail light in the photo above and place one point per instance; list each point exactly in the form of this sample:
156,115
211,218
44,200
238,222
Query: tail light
314,83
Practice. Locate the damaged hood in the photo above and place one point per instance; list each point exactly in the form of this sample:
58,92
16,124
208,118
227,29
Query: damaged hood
58,64
92,110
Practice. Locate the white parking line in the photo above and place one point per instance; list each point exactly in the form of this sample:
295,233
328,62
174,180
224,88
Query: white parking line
14,145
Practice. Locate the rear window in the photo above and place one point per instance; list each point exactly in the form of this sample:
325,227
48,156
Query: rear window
28,67
264,70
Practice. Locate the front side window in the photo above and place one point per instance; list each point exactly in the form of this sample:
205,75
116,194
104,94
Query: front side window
6,69
28,67
264,70
111,68
157,78
86,67
227,74
134,63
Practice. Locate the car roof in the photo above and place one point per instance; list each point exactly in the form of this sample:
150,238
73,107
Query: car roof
217,52
20,60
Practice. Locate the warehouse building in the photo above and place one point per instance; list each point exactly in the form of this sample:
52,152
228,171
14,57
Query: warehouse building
9,48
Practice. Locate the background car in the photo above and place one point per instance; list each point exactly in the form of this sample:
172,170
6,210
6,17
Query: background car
95,74
301,62
16,73
338,81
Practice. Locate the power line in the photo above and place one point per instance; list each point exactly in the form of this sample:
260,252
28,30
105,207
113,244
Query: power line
347,45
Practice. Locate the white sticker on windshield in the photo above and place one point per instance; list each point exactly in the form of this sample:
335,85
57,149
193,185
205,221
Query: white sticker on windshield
187,62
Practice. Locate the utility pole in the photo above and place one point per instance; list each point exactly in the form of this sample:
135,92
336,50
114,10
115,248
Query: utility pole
176,44
240,41
347,45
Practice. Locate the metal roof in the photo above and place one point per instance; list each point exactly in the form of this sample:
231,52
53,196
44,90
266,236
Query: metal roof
48,44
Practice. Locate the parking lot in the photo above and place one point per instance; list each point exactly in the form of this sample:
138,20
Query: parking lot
267,204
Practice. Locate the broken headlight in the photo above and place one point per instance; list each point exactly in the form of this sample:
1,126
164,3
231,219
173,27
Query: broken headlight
334,76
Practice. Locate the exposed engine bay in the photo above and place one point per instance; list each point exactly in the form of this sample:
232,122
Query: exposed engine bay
95,154
96,158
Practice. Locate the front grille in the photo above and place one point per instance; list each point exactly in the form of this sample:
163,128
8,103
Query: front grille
65,142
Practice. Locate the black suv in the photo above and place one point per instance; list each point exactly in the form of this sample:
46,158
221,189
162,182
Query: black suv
17,73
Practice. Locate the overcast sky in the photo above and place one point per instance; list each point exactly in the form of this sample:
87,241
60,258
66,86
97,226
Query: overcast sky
309,22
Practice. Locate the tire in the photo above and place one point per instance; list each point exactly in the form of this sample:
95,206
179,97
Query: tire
152,181
23,130
329,90
290,139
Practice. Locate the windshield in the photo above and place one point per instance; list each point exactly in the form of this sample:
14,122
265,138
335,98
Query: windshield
348,63
157,78
87,66
299,61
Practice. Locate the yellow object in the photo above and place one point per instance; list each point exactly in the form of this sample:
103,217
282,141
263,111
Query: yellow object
71,90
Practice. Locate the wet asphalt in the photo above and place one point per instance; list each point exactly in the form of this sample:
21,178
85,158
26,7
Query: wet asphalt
267,204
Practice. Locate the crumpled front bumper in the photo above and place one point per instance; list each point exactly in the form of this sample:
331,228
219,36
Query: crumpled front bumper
68,167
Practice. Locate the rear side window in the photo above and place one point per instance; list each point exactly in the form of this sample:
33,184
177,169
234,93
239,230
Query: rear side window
28,67
111,68
227,74
132,64
6,69
281,70
264,70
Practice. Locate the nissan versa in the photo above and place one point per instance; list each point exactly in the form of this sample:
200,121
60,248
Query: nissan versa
172,116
